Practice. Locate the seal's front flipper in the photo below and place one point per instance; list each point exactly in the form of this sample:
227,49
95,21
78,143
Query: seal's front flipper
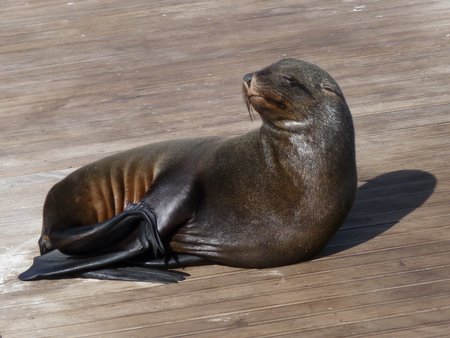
101,246
132,229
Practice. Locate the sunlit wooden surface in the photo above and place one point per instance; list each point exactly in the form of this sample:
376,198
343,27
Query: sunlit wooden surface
83,79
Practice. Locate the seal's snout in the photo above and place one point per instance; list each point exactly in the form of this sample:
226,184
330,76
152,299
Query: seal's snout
248,79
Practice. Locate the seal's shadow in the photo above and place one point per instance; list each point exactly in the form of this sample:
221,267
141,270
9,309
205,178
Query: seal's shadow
380,204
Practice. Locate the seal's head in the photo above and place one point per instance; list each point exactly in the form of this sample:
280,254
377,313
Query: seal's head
290,92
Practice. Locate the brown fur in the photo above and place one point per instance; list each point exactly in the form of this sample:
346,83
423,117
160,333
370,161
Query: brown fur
270,197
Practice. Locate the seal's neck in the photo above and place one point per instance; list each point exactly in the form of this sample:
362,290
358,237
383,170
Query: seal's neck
309,144
327,126
284,147
287,135
281,127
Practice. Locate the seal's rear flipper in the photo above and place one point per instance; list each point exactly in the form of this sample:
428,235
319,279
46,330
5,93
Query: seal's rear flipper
56,264
173,261
136,274
126,236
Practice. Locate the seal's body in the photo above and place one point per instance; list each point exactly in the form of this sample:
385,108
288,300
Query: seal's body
271,197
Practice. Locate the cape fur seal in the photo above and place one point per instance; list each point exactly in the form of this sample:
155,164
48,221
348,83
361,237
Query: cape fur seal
273,196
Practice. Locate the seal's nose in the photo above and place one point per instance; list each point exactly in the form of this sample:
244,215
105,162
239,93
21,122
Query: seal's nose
248,78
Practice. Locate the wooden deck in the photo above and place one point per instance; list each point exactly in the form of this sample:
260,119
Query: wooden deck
81,79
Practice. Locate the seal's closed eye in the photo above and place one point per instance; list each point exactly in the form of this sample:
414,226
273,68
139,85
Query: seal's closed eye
293,82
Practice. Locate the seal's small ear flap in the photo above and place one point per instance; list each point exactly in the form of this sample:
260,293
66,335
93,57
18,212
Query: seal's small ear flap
328,86
331,88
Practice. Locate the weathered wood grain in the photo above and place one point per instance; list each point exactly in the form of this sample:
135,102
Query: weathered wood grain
83,79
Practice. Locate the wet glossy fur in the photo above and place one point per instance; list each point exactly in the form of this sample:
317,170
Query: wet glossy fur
270,197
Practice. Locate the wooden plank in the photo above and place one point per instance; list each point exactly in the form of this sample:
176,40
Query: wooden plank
235,298
425,330
83,79
260,307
